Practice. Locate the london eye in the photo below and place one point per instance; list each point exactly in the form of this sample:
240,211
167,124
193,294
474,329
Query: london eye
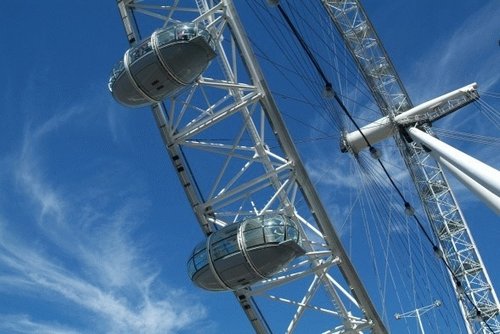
301,155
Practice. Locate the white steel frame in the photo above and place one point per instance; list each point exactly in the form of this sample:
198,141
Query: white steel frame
234,157
448,223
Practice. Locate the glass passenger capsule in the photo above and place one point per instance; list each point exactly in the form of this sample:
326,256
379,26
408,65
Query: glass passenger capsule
161,65
244,253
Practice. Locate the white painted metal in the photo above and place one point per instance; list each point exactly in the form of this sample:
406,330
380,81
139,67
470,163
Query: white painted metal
386,126
424,112
487,176
490,199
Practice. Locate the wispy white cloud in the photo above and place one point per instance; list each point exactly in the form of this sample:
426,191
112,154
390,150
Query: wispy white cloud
115,126
332,171
82,252
469,54
19,324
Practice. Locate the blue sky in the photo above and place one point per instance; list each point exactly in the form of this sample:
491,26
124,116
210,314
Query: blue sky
95,230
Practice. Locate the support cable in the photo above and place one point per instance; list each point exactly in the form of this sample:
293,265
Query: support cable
275,27
328,84
373,151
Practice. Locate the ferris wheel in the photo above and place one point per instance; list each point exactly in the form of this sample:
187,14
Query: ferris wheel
269,236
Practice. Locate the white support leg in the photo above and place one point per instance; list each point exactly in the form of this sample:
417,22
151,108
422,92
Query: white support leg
490,199
485,177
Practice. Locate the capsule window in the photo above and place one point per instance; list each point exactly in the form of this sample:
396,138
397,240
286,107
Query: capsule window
223,248
165,36
274,230
274,233
254,237
191,268
200,259
116,71
185,31
140,51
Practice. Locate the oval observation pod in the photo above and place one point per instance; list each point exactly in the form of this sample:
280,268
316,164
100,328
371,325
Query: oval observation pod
244,253
162,65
